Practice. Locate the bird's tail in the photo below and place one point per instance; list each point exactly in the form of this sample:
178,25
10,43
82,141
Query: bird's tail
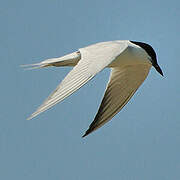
67,60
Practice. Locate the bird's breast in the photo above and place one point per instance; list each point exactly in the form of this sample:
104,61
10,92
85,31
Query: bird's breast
131,56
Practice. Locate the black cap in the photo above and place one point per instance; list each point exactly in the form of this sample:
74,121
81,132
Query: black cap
150,51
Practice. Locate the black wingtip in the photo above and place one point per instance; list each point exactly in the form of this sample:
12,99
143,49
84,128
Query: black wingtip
93,126
86,133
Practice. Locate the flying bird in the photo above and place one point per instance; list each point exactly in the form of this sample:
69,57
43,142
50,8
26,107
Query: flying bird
129,61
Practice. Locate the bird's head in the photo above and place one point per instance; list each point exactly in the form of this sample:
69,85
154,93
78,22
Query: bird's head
150,51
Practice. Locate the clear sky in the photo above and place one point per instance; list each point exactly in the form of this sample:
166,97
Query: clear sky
142,142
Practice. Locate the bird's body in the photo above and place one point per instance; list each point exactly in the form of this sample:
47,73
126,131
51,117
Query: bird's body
129,61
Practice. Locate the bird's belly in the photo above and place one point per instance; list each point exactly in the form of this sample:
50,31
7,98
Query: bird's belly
130,57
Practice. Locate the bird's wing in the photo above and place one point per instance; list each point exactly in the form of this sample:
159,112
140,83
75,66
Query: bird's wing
94,58
123,83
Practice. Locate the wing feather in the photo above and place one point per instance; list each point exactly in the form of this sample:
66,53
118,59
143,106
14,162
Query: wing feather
72,82
123,83
85,69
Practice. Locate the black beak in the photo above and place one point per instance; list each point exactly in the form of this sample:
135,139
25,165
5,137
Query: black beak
158,69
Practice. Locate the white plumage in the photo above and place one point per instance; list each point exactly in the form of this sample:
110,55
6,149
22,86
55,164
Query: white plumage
130,66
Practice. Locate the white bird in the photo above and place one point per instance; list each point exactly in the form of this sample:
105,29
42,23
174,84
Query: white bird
130,62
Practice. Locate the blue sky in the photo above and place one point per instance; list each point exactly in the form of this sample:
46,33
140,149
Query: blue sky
141,142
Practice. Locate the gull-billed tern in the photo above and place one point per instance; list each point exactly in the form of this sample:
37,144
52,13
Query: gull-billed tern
130,62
